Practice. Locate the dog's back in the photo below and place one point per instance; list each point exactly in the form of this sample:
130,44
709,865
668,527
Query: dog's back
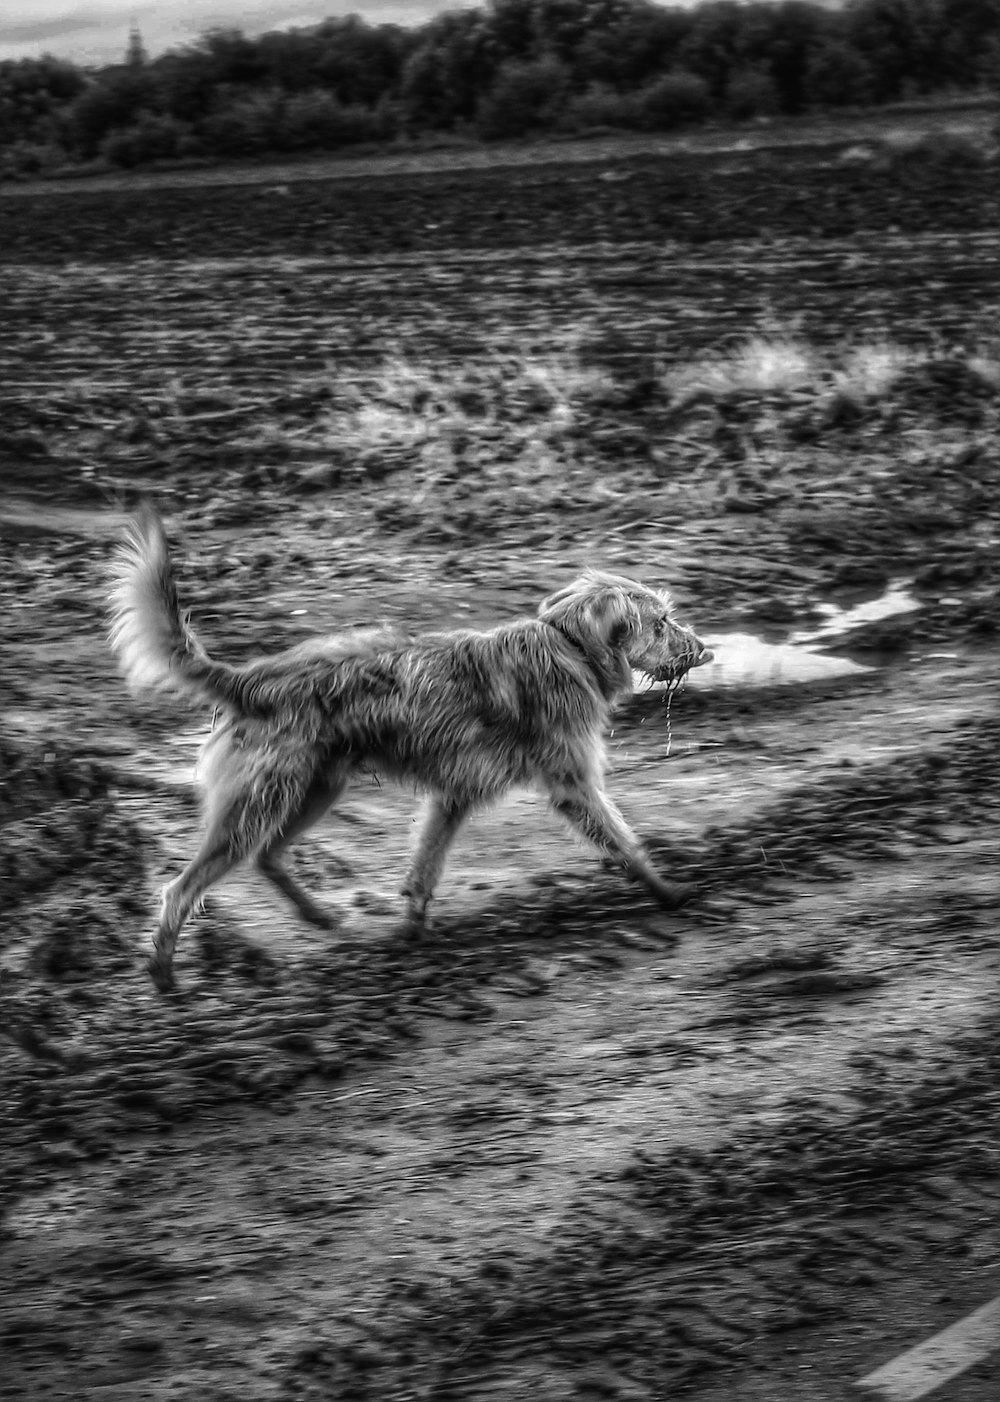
468,713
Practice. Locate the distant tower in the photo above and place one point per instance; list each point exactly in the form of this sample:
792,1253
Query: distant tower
135,54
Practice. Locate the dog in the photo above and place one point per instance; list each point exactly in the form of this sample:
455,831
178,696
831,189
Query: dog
462,715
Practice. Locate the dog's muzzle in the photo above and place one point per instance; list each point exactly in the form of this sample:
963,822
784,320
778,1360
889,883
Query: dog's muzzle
679,666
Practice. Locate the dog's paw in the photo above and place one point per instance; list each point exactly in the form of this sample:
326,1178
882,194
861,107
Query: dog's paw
414,924
671,895
162,973
319,918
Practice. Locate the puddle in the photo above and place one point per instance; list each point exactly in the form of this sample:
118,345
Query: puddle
743,659
838,622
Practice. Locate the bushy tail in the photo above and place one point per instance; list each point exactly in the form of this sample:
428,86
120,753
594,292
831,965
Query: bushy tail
149,634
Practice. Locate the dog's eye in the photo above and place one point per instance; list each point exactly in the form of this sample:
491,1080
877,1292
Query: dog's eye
659,626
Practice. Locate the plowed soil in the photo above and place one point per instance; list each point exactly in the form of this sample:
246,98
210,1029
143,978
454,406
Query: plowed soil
565,1147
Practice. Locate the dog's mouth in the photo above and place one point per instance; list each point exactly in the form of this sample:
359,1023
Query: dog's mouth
678,667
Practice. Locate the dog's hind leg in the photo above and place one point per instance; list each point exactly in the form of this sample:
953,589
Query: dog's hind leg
321,795
251,808
593,814
217,857
441,821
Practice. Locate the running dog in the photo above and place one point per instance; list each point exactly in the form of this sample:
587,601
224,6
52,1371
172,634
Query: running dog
462,715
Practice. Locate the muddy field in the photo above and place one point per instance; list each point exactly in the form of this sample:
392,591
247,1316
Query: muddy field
566,1147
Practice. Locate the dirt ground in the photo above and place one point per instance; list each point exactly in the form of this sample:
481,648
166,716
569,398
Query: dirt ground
565,1147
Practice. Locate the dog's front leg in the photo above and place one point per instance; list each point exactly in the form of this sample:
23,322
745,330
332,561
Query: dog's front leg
594,815
442,817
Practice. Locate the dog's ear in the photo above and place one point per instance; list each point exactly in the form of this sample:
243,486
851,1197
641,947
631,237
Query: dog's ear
616,618
594,611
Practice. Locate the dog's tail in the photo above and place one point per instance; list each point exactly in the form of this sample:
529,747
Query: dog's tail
150,635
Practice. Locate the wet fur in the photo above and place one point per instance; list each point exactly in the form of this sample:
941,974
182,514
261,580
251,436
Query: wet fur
463,715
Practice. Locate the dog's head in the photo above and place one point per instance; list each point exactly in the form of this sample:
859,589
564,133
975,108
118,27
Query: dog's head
609,614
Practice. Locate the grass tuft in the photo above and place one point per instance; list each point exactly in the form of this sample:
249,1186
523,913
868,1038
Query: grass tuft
762,365
985,362
868,372
780,364
440,418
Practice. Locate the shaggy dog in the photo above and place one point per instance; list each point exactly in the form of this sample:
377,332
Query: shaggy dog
462,715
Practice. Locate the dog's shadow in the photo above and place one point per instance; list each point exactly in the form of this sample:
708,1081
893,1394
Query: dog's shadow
374,958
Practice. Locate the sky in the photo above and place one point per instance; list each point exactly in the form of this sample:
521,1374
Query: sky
96,31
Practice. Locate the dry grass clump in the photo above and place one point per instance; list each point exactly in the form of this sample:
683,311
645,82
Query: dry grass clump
944,150
866,372
501,433
412,406
985,362
459,447
778,364
508,438
863,373
761,365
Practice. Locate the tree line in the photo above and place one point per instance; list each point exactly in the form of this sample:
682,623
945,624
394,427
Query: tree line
510,69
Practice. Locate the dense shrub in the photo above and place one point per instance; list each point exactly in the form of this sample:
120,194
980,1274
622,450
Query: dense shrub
600,106
152,137
115,101
317,121
750,92
243,126
308,121
452,65
22,159
34,96
524,97
838,76
673,100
